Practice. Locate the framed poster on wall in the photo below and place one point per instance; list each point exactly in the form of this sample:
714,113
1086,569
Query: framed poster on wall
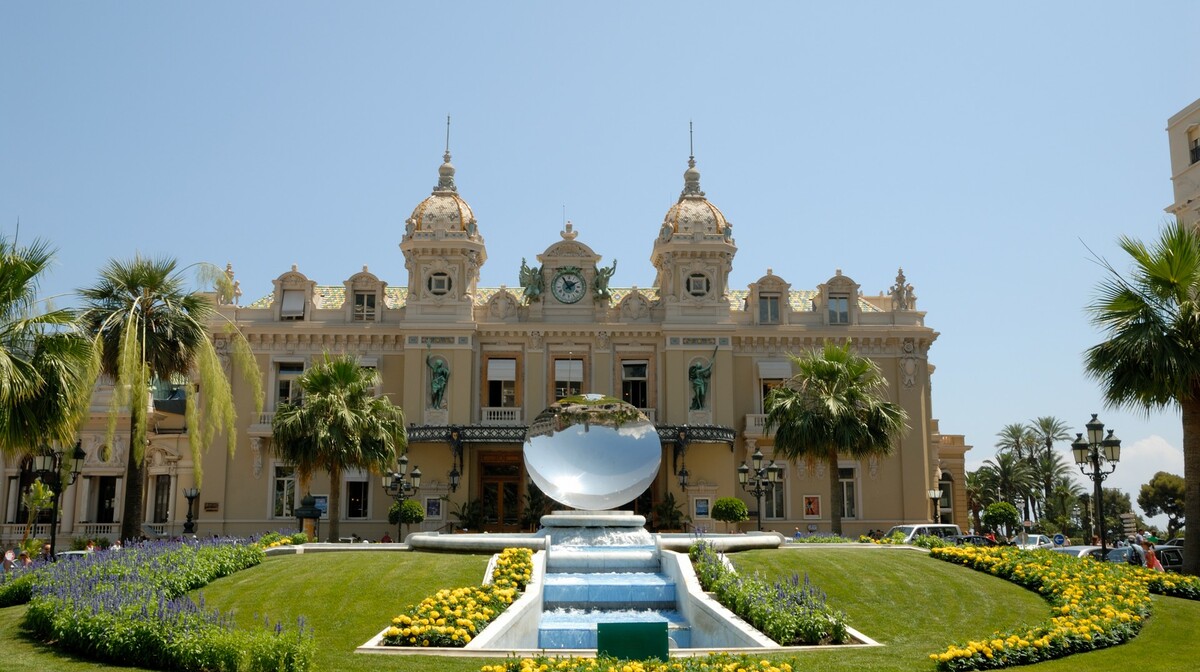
812,506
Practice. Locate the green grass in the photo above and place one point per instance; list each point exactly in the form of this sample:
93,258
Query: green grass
912,603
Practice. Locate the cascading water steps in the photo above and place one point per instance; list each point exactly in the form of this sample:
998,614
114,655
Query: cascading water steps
588,585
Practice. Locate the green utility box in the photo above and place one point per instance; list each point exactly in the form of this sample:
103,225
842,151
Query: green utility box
632,641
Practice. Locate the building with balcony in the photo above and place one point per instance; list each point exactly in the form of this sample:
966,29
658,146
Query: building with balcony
502,354
1183,138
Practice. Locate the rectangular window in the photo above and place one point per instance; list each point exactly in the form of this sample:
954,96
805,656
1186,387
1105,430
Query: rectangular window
357,501
287,390
1195,150
568,377
697,284
501,383
285,492
839,310
773,502
633,383
293,305
162,498
364,306
768,309
848,476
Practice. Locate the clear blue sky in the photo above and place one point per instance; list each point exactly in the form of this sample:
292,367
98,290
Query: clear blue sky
979,147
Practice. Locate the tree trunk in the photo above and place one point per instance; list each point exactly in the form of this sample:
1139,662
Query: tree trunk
1191,482
335,502
835,495
135,476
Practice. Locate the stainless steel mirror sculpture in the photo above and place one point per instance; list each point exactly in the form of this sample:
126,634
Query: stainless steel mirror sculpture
592,451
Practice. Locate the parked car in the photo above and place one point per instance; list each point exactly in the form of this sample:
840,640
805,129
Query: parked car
1177,541
1171,557
1080,551
71,555
1032,541
911,532
972,540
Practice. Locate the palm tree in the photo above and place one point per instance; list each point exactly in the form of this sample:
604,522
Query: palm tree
1007,475
1049,429
1020,440
145,326
834,407
1151,356
978,496
338,424
45,377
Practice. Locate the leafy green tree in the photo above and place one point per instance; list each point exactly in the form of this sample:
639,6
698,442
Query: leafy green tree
730,510
147,326
1001,515
833,407
1164,494
339,424
1150,358
408,512
37,499
46,364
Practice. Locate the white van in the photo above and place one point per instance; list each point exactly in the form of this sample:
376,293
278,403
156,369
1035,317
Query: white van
924,530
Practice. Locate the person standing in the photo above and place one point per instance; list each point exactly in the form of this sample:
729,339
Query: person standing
1152,561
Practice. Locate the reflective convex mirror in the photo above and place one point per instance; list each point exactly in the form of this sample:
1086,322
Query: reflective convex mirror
591,451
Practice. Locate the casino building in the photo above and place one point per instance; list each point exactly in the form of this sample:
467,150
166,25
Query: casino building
473,366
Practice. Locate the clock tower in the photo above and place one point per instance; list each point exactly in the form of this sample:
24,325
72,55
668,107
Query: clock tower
575,287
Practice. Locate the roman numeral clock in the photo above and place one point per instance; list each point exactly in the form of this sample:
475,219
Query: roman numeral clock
568,285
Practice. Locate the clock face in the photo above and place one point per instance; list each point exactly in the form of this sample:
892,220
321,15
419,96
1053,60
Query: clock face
568,287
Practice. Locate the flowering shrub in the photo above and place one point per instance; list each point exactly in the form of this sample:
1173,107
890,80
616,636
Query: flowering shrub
1093,605
276,539
921,540
715,662
789,612
16,586
454,616
129,607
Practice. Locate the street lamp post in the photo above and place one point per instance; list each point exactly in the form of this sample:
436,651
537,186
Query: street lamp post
47,464
935,498
1095,453
399,485
759,479
189,525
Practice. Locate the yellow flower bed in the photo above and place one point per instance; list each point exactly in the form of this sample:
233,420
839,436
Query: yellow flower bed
454,616
1093,605
717,662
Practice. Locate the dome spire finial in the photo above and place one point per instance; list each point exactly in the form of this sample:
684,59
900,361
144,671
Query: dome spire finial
691,176
446,171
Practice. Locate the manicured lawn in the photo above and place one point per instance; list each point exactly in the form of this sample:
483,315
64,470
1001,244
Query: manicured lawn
912,603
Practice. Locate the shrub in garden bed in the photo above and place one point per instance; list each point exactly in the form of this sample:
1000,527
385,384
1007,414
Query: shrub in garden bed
130,607
1093,605
791,612
285,538
821,539
454,616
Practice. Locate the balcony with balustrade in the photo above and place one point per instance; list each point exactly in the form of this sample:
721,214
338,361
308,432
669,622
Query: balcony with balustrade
756,426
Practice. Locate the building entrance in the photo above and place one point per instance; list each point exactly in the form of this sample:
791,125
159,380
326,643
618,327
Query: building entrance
501,477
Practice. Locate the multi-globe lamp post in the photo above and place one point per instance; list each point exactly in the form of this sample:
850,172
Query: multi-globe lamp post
399,485
47,464
1097,457
759,479
189,525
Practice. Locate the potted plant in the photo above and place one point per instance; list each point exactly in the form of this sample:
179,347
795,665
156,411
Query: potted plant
670,515
469,514
730,510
